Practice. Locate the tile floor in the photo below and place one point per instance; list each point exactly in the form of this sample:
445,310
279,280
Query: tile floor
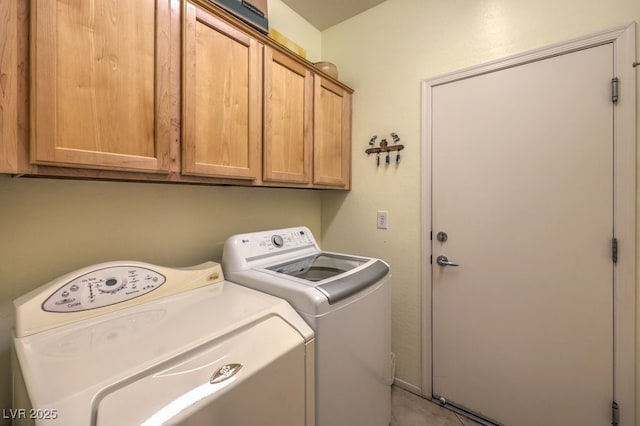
408,409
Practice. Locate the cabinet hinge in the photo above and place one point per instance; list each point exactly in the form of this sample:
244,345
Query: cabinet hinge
615,414
614,89
614,250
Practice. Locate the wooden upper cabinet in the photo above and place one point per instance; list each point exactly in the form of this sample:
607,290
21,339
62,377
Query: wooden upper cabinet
332,135
222,99
288,119
100,77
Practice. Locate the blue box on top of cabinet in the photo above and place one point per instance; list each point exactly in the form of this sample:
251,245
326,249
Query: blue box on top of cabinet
253,12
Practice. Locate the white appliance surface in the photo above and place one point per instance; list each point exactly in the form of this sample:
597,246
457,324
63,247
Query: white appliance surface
212,353
347,302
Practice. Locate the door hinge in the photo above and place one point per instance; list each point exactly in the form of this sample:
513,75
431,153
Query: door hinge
614,89
615,414
614,250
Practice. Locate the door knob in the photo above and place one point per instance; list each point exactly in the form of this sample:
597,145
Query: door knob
443,261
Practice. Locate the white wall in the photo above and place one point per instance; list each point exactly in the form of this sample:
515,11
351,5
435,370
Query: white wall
383,54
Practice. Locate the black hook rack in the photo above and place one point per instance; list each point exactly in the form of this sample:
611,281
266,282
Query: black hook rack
385,147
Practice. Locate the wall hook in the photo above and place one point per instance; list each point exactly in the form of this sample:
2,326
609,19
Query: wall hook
386,148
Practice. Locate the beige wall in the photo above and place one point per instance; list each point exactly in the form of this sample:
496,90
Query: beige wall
383,54
290,24
51,227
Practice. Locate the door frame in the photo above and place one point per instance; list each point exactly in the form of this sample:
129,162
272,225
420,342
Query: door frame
623,39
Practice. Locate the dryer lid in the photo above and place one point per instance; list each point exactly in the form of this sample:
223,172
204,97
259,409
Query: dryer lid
231,372
64,368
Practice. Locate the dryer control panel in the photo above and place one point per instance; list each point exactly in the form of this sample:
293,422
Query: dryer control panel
103,287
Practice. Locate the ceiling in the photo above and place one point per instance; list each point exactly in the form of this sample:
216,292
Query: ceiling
323,14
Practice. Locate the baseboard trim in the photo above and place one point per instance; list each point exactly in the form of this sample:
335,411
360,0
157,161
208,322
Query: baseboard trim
407,386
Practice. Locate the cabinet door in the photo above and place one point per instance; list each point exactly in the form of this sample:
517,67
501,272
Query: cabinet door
222,95
100,81
288,107
332,135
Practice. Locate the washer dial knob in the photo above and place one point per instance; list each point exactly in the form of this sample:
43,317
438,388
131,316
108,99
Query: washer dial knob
277,241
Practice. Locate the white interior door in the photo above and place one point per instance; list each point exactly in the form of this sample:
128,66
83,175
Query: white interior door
522,184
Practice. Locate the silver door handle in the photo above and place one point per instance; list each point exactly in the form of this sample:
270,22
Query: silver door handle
443,261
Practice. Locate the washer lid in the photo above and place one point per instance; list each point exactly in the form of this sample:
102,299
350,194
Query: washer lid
347,285
318,267
330,272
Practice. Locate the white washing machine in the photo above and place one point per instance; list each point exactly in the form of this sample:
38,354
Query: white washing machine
129,343
347,302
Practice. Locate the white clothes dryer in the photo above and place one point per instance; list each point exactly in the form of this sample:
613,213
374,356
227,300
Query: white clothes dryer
129,343
347,302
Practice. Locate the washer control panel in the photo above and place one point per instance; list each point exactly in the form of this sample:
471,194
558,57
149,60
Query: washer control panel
256,249
103,287
260,243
